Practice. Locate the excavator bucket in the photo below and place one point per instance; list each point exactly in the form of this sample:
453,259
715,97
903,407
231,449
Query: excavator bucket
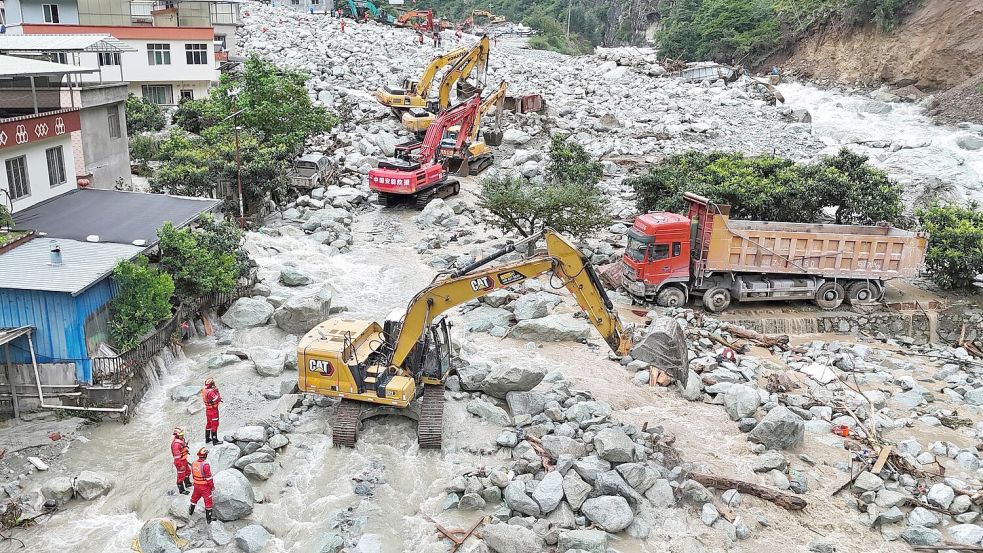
664,347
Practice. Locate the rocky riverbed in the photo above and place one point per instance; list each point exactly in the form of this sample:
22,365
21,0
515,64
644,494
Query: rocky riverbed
550,440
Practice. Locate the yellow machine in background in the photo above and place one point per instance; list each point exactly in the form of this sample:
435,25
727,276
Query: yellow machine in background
381,369
416,93
417,119
477,156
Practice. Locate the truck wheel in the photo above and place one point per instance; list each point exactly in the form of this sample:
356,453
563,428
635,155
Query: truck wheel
670,297
716,299
830,295
862,291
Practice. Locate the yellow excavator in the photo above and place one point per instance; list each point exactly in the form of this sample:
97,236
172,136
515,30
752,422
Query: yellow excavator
417,119
477,156
382,369
415,94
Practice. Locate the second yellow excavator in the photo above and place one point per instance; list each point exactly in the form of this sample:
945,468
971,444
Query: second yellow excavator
415,94
476,156
475,61
383,369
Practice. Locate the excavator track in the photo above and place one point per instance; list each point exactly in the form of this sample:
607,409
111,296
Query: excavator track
430,428
447,188
344,431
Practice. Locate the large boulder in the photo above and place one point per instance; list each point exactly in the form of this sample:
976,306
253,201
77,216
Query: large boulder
473,376
512,378
251,433
233,495
488,411
248,312
184,393
549,492
268,361
558,327
515,136
59,489
252,538
158,535
610,513
506,538
741,402
780,429
435,213
223,456
484,317
526,403
575,489
613,445
664,347
590,541
535,306
90,485
290,276
516,498
303,312
563,445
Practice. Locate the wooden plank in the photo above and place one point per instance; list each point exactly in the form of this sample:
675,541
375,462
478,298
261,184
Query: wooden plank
881,459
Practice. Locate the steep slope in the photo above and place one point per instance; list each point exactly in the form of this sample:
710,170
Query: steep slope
937,47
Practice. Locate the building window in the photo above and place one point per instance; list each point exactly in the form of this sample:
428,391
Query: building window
187,94
108,58
158,54
17,178
197,54
58,57
113,117
56,166
295,2
159,93
50,13
220,43
315,2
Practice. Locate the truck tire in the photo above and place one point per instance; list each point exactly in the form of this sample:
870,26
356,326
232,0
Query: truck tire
716,299
830,295
670,296
863,291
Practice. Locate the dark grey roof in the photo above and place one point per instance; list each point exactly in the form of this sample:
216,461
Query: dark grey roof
112,215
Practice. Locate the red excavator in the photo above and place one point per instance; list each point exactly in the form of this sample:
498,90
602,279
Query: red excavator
419,170
426,22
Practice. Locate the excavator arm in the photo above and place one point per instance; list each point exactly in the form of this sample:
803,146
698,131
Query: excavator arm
562,259
477,56
438,63
496,99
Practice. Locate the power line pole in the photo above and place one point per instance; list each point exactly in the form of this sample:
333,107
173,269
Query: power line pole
569,8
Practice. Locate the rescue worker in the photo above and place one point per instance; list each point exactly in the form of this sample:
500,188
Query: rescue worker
343,25
365,17
201,472
211,398
435,38
179,450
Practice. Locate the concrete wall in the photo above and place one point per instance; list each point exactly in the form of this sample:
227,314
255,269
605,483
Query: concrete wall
37,170
30,11
104,12
106,159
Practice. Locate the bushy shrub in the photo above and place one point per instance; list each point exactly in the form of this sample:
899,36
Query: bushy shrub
955,247
142,300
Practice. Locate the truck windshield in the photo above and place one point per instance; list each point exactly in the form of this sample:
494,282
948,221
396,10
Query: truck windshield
636,250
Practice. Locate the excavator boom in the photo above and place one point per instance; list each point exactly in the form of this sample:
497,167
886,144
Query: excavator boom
562,259
417,94
497,99
477,56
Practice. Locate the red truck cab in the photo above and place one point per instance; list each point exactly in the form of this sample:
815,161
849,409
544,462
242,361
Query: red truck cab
657,258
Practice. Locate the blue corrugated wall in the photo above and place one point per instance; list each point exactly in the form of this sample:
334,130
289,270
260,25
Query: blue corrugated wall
60,322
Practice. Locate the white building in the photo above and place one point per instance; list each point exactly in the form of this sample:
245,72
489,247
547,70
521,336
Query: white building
35,132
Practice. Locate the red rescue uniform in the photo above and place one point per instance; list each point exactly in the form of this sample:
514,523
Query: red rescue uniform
212,398
179,450
201,474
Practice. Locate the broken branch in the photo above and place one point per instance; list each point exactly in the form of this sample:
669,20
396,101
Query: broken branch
787,501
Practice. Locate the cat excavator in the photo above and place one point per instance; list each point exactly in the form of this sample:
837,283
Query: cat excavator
415,94
400,366
475,61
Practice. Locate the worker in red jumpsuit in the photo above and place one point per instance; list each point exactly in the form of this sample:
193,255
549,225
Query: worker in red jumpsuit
342,25
365,17
201,473
211,397
179,450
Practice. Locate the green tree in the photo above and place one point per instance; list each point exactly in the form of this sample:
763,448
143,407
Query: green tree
194,116
142,115
568,200
6,220
142,301
196,269
955,247
223,236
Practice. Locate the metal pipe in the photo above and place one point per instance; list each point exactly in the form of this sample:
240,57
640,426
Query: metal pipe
37,380
43,385
10,379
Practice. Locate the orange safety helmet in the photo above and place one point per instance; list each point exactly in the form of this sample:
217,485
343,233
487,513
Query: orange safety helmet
209,382
202,453
178,431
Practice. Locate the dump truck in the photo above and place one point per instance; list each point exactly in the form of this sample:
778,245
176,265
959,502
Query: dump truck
671,258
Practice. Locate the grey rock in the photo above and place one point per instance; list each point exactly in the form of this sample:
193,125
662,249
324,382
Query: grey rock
613,445
157,536
233,495
590,541
290,276
483,318
867,482
693,491
516,498
267,361
589,467
562,517
664,347
250,433
252,538
260,471
558,327
693,388
223,456
920,535
941,495
575,489
768,461
526,403
255,457
562,445
303,312
471,502
217,532
512,378
779,429
473,376
549,492
328,542
506,538
638,476
277,441
709,514
610,513
59,489
90,485
970,142
488,411
507,438
534,306
890,516
889,498
966,534
184,393
369,543
741,401
661,494
920,516
248,312
611,483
